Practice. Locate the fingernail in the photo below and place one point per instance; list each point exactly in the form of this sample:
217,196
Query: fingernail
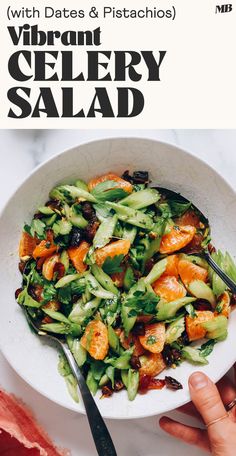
198,380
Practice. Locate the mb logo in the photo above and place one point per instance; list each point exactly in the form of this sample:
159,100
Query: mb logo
224,8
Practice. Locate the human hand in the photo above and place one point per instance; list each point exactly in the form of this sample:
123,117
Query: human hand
208,404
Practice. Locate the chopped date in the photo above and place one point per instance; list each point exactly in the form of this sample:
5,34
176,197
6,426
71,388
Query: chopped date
21,266
137,274
195,246
117,323
202,304
88,211
172,383
106,391
36,292
39,264
184,340
149,265
233,300
59,268
54,204
17,292
126,176
147,383
91,229
171,355
135,362
38,216
139,329
119,385
211,248
139,177
76,236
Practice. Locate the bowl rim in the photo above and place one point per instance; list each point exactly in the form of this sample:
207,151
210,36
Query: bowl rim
72,407
112,138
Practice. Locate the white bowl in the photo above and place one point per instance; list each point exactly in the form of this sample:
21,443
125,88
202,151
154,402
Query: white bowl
169,167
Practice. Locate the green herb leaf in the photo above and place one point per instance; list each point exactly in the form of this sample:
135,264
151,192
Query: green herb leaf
112,265
207,348
49,292
37,228
178,208
108,191
143,302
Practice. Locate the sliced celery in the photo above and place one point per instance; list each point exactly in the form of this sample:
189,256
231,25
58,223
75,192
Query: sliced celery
82,311
132,216
156,271
96,289
79,352
133,384
128,322
201,290
193,355
104,279
113,340
216,328
56,315
174,330
105,232
141,199
66,280
129,232
81,184
168,310
71,192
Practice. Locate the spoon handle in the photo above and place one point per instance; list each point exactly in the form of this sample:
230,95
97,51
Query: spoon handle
100,433
229,282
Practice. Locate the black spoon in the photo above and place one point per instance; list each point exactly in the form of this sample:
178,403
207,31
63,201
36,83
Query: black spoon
204,253
100,433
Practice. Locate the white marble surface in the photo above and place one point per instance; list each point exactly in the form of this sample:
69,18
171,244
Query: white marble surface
20,152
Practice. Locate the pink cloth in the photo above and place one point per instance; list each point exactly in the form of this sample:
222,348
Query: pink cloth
20,434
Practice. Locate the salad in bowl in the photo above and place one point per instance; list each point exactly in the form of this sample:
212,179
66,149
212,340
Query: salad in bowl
112,265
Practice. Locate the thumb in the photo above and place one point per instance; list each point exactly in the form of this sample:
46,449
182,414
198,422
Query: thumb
207,400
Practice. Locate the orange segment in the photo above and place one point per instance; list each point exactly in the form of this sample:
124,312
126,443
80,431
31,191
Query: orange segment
121,183
177,238
49,265
224,303
189,218
130,341
151,364
169,288
95,339
154,337
115,248
172,266
44,249
27,245
189,271
194,326
77,256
